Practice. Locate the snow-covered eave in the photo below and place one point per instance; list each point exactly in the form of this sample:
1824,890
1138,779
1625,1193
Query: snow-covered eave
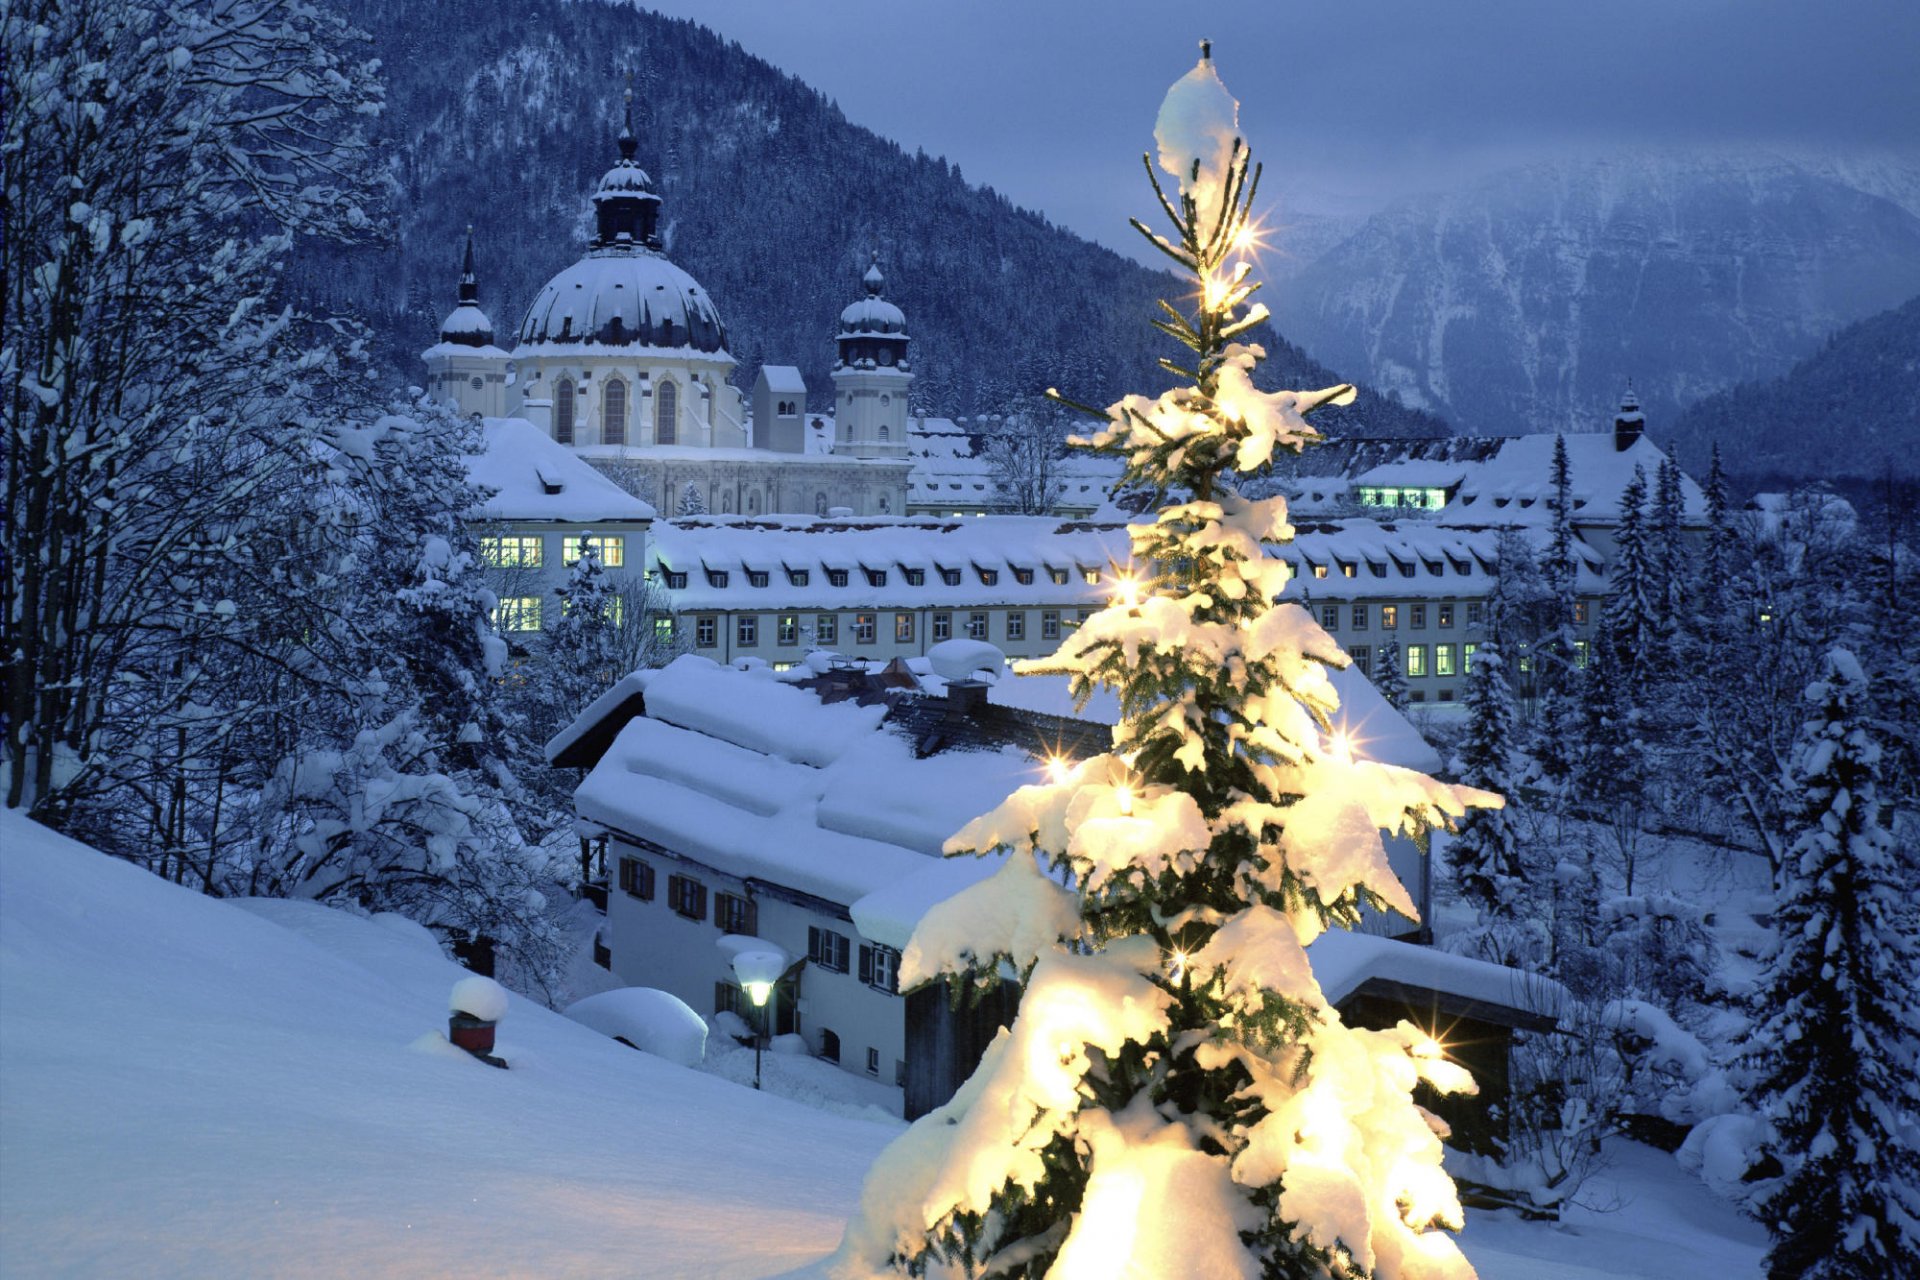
446,349
624,351
581,744
700,453
488,515
1348,964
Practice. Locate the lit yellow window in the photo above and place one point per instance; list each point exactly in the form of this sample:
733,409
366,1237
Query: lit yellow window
518,613
612,549
511,551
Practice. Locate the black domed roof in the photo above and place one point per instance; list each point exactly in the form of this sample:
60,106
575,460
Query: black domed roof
873,314
624,297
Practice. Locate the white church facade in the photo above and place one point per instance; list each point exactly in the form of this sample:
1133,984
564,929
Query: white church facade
623,358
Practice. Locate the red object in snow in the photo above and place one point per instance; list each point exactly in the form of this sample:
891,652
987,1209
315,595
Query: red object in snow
475,1035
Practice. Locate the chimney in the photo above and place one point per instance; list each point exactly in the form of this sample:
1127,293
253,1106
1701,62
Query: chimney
966,699
1629,424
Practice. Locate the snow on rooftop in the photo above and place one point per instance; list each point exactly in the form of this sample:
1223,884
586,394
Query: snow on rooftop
783,377
535,478
1343,961
627,686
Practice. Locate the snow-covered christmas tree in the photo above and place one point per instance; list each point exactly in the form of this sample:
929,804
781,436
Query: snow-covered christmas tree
1175,1097
1837,1052
1485,855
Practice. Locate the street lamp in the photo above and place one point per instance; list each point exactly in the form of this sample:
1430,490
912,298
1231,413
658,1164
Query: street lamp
757,972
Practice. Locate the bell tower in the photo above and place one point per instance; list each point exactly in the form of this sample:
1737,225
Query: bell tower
464,369
872,375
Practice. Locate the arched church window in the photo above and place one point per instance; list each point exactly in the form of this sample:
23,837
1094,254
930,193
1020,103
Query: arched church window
883,433
666,412
613,412
753,503
886,505
563,411
820,504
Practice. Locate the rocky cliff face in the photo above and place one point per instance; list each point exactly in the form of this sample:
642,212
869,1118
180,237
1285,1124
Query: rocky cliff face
1527,300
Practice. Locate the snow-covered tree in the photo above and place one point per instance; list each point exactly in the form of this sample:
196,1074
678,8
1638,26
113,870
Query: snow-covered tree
159,159
691,503
1024,452
1837,1050
1175,1096
1632,610
1485,854
1390,675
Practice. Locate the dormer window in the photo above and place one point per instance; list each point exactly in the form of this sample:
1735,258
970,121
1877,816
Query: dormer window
676,581
1023,576
1059,576
988,577
875,577
916,577
837,577
950,576
798,577
716,577
756,577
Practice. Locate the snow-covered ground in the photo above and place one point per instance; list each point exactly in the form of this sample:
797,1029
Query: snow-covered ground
200,1088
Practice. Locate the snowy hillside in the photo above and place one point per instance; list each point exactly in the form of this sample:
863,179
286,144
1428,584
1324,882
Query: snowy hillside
1525,301
204,1088
209,1089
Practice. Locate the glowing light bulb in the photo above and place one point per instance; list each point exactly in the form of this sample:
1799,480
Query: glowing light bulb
1057,770
1216,293
1127,591
1123,796
758,992
1177,965
1246,239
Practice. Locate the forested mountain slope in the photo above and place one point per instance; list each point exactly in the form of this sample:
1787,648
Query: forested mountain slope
1845,412
504,116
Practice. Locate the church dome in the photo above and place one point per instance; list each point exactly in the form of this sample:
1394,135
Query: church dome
625,293
624,296
873,314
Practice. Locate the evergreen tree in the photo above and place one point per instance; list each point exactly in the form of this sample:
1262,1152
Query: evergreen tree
1667,552
1175,1096
1485,855
1390,675
582,646
1837,1052
1631,609
691,503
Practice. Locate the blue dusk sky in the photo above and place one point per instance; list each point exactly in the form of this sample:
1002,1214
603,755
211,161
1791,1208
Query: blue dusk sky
1348,103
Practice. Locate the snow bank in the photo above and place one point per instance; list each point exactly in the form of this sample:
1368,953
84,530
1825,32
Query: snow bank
657,1022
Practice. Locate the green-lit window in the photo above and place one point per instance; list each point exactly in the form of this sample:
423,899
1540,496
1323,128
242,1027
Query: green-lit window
1416,660
663,629
1443,660
1582,654
1466,657
788,629
511,551
610,547
518,613
826,628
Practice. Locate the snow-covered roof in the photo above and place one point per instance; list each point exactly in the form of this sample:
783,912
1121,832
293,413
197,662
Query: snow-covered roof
783,377
1490,479
467,319
756,777
950,465
1411,558
581,731
880,557
534,478
622,297
1344,961
487,350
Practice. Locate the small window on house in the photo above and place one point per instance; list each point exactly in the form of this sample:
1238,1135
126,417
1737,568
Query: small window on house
611,548
513,551
988,577
687,897
863,628
706,632
827,949
826,628
1347,570
1049,624
1359,617
1582,654
517,613
664,629
1443,660
636,879
829,1045
1362,656
798,577
1466,657
1417,616
756,577
1476,614
1092,577
735,914
873,1062
950,576
1580,613
1330,616
1017,625
876,577
836,577
943,626
676,581
1416,660
746,630
903,628
1023,576
1059,576
1389,617
880,968
976,626
717,577
789,629
916,577
1446,615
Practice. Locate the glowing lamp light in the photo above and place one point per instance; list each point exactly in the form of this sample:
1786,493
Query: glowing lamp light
1057,770
1123,796
1127,591
1216,293
1246,239
1340,746
758,993
1177,965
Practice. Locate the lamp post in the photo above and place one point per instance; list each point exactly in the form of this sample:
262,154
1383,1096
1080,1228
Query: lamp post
757,972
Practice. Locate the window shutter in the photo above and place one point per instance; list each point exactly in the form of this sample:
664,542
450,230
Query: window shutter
840,952
699,902
813,944
866,963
